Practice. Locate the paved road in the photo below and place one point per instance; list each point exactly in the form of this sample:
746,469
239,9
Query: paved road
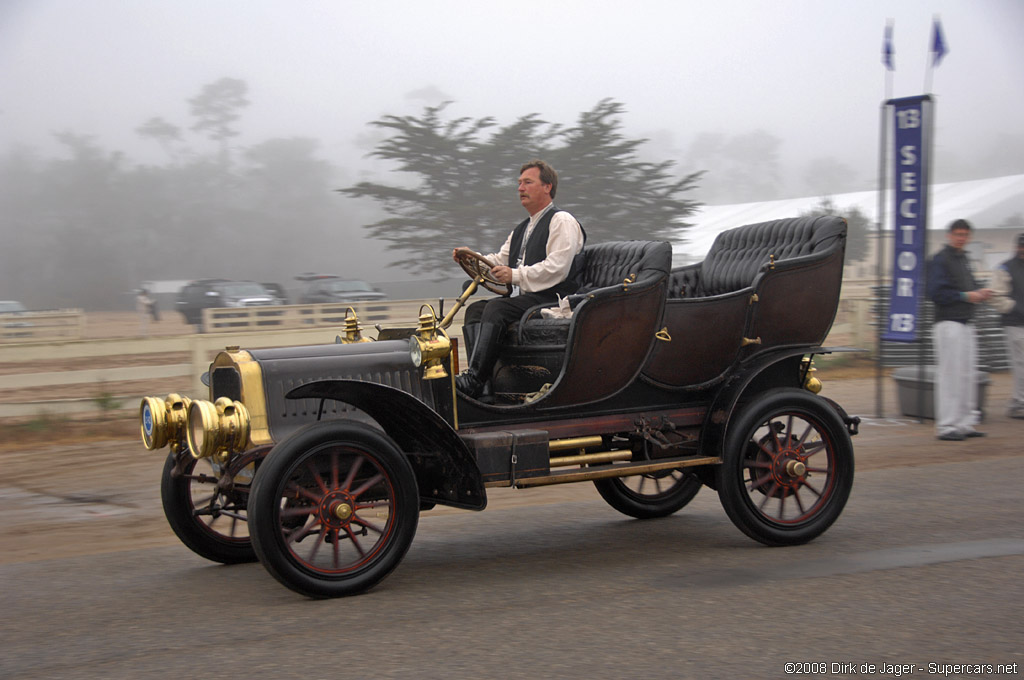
925,566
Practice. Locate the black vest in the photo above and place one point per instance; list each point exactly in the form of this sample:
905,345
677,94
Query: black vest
537,250
1015,267
951,266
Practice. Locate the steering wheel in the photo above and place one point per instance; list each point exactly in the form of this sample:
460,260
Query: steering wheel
479,267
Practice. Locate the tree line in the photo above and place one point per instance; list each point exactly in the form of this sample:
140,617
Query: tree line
85,229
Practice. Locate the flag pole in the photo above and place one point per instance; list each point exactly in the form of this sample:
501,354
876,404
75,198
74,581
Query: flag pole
887,59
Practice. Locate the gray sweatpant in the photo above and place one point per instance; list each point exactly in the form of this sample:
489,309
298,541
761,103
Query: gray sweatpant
956,389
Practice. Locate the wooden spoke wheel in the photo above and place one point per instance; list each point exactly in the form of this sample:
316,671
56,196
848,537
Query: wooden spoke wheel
334,509
787,469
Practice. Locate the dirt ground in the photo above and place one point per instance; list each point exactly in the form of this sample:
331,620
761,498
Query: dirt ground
89,486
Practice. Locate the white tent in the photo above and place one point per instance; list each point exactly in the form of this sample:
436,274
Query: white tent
974,201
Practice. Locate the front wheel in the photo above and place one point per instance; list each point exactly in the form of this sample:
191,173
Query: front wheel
333,509
787,468
205,504
656,494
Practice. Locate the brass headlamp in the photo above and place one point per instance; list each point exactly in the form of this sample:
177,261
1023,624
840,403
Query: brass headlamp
217,428
162,421
429,345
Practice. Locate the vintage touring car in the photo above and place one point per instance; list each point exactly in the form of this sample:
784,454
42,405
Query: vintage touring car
318,460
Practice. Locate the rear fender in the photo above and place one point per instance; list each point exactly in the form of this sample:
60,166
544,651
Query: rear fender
773,368
446,470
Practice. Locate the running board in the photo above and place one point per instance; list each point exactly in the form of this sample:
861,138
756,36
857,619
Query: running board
607,471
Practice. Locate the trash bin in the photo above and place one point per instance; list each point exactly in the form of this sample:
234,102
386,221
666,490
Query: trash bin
916,388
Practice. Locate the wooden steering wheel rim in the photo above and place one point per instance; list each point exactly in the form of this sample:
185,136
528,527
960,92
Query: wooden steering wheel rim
479,267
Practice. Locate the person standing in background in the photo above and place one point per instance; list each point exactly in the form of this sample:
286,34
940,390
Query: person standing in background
1008,300
955,292
143,306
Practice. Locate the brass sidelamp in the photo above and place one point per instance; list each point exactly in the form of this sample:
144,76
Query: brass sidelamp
353,332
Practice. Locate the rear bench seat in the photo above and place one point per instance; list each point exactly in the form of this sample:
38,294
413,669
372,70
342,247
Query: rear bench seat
737,255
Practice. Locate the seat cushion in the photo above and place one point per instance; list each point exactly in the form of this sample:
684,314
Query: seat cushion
611,263
737,255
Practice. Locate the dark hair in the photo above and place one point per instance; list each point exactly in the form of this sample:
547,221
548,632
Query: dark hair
547,174
961,224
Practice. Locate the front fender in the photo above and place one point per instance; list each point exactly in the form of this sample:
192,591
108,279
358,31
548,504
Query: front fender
445,468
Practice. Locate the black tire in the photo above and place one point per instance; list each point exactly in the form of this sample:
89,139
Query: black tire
211,522
347,494
652,495
786,445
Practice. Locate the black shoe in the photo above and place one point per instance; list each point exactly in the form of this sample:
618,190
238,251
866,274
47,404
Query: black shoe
468,384
973,433
485,353
952,437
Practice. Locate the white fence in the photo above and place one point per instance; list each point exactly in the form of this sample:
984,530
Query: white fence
67,324
250,330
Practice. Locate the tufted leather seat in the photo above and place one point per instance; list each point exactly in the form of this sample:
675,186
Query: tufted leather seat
737,255
608,265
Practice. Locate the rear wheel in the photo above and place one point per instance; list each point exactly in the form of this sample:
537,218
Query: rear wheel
657,494
787,469
333,509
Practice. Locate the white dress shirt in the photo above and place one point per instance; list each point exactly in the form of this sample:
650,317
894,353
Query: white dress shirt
565,239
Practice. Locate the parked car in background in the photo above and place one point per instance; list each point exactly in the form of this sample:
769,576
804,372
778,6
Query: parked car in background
318,288
276,291
11,307
11,312
215,293
12,319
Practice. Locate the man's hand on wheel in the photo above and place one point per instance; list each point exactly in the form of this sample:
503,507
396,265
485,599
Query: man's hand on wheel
501,273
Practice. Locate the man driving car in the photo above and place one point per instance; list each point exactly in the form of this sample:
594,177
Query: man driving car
538,259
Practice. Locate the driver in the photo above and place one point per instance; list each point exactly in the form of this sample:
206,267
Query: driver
540,259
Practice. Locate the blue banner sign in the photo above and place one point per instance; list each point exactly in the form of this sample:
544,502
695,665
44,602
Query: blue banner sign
911,195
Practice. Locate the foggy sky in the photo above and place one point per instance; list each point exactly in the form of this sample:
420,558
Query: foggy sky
807,71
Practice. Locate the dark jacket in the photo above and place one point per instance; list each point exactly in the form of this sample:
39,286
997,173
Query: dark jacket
537,250
1015,267
949,275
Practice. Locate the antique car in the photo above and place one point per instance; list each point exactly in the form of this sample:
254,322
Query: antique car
318,460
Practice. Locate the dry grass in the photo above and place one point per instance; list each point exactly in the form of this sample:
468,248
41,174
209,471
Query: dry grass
48,430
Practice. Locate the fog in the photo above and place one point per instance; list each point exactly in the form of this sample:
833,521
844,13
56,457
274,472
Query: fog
804,71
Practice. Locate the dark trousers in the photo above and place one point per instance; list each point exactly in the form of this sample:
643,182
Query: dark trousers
505,310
